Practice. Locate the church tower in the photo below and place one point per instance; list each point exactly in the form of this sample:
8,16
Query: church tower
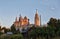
25,20
16,23
20,20
37,19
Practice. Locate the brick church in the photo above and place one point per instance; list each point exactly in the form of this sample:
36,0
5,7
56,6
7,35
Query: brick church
24,21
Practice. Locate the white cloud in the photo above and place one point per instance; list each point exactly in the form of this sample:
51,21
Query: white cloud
53,8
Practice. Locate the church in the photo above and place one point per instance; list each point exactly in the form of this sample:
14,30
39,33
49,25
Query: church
23,22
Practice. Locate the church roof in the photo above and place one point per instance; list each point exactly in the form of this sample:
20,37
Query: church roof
25,17
20,18
36,11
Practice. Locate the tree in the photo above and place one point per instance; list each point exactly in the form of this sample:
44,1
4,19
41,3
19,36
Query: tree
13,29
5,30
0,28
33,33
50,31
52,22
55,23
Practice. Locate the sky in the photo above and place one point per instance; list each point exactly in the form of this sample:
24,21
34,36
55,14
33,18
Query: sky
10,9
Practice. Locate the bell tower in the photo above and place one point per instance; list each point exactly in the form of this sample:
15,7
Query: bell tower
37,19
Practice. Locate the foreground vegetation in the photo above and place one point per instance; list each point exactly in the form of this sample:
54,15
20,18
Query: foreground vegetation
18,36
15,36
52,31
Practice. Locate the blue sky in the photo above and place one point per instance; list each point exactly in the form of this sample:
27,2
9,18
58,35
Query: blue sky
9,9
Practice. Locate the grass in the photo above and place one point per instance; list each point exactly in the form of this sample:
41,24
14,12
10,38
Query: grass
18,36
14,36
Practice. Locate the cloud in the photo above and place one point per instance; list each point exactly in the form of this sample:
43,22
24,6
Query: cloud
53,8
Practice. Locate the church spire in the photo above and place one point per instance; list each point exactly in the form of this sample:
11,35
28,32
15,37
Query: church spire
40,20
20,17
37,21
16,19
36,11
